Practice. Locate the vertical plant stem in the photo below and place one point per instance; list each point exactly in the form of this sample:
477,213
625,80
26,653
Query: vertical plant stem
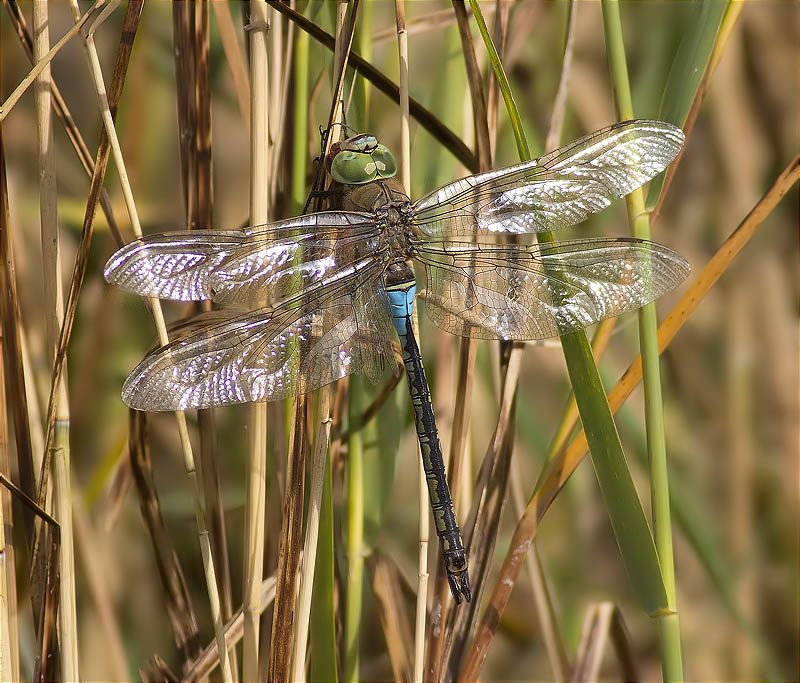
671,660
298,191
8,660
355,537
257,456
283,615
54,306
300,121
255,502
9,627
9,611
422,487
323,609
312,531
235,59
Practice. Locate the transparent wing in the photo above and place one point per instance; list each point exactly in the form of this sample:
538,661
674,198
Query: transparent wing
270,354
540,291
554,191
261,264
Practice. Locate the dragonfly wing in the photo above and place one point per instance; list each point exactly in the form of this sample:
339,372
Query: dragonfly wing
174,265
556,190
268,354
261,264
271,264
534,292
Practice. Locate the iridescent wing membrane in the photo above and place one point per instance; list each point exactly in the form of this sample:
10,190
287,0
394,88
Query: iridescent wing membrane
316,283
332,322
533,292
553,191
260,264
521,292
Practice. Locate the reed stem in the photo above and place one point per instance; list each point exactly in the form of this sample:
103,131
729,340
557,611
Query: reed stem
671,660
54,298
317,479
257,453
355,538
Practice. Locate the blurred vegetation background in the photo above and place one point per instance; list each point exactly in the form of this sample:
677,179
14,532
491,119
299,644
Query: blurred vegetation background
730,377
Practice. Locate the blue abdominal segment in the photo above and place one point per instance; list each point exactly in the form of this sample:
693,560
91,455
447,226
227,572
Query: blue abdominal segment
401,305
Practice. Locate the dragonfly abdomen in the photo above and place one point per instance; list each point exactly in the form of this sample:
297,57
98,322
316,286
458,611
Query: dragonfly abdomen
401,288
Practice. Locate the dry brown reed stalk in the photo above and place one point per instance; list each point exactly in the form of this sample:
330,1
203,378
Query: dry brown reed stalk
54,312
62,112
12,354
433,21
178,602
316,481
94,17
45,660
155,670
183,44
279,98
9,612
500,37
546,612
257,452
390,600
484,516
283,616
209,659
563,467
446,137
234,56
203,171
603,621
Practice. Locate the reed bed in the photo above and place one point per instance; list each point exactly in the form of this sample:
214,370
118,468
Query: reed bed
292,537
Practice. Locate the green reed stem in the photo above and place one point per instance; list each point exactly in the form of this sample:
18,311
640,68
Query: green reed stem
671,660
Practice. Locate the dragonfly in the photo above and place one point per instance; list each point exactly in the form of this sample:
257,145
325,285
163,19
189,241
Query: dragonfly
306,301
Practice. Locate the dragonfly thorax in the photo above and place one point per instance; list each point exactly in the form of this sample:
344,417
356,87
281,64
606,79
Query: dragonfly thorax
386,199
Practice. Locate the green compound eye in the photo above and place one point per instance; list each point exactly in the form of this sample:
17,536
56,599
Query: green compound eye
353,168
358,167
385,164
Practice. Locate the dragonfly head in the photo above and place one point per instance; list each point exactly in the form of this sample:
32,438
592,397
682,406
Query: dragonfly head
360,159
